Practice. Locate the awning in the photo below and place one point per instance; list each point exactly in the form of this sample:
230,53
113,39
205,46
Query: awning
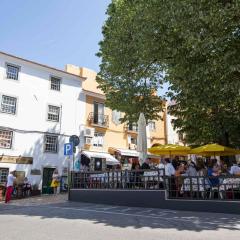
130,153
110,160
124,152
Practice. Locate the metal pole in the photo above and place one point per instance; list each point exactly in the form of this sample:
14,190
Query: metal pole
69,178
73,169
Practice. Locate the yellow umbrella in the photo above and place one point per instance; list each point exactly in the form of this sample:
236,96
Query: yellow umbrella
170,149
214,150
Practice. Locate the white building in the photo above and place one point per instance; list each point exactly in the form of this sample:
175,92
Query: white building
173,137
40,107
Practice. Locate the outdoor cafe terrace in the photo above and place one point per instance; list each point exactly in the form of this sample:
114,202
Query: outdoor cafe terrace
182,187
205,179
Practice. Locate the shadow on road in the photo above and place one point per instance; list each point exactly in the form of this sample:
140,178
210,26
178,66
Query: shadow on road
124,217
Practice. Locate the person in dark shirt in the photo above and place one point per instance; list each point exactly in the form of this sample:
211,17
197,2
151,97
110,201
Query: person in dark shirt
213,175
145,165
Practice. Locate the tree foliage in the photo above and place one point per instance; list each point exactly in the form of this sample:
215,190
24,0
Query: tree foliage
195,43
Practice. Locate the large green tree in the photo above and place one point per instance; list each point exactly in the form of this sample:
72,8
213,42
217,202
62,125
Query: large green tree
197,46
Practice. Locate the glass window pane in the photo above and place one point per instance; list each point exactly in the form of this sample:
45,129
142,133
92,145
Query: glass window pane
53,113
5,138
12,72
51,143
3,175
55,83
8,104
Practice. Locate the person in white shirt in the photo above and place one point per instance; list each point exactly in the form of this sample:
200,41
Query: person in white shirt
10,182
235,169
169,169
170,172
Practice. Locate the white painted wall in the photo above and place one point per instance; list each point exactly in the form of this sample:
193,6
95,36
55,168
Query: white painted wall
172,135
33,96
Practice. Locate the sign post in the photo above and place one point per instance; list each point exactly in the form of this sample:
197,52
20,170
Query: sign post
68,151
74,140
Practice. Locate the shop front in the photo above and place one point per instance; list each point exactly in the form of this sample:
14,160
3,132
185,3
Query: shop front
97,161
126,157
20,164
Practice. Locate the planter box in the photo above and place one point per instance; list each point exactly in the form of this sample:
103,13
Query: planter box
35,192
2,193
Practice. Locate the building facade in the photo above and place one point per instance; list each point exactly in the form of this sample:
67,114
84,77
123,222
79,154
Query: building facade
103,132
40,107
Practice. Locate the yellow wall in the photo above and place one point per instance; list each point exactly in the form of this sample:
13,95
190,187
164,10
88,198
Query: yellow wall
90,84
115,135
159,135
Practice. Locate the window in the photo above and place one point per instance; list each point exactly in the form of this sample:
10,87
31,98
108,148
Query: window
51,143
133,127
55,83
8,104
5,138
12,72
98,139
3,175
152,126
98,113
133,140
53,113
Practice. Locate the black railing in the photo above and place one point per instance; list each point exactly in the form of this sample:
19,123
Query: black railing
137,179
98,120
183,187
131,127
203,188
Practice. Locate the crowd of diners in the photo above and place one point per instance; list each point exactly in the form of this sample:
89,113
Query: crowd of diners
180,174
208,173
200,168
215,171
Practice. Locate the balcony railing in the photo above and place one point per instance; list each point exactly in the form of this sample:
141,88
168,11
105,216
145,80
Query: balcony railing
99,120
131,128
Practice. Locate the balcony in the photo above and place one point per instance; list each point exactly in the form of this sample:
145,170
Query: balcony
98,120
131,128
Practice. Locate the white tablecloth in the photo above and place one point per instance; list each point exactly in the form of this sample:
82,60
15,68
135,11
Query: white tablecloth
196,185
103,177
151,176
230,183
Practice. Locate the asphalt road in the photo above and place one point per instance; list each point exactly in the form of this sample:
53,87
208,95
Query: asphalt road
50,220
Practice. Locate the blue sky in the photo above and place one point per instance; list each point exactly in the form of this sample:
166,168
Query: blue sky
53,32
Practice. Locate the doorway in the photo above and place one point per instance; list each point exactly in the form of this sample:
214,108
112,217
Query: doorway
98,112
47,179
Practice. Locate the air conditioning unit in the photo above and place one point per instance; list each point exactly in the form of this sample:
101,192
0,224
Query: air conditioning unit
88,141
89,132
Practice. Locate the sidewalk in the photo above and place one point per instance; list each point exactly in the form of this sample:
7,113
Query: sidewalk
39,200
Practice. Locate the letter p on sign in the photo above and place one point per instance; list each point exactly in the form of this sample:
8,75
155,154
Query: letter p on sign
68,149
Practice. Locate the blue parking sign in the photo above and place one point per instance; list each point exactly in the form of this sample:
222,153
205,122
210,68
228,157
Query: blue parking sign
68,149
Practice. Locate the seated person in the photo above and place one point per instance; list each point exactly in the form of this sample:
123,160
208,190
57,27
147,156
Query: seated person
191,170
26,187
178,173
145,165
224,170
213,175
235,169
169,169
